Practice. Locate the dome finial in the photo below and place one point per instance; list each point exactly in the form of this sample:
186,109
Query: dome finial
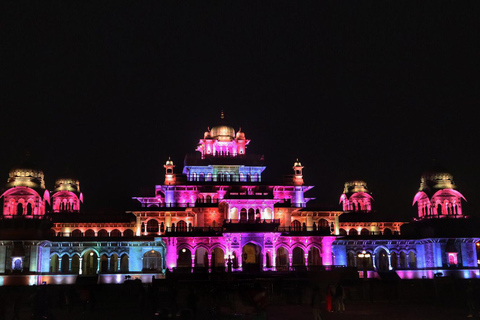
222,115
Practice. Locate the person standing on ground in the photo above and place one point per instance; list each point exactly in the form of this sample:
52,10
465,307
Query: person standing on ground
328,299
338,299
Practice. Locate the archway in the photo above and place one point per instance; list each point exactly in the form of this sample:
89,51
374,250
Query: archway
90,233
76,233
364,232
342,232
102,233
54,263
251,258
298,257
152,261
314,257
124,263
412,260
243,215
351,259
394,260
184,259
387,232
113,267
201,258
128,233
218,259
353,232
281,259
104,263
115,233
90,263
65,263
251,214
152,226
75,263
296,225
381,260
181,226
403,260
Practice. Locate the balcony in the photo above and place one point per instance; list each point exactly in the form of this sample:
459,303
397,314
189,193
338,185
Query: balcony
258,225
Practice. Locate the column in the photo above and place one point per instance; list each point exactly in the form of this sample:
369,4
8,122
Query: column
69,264
98,265
81,265
373,262
290,257
59,264
193,260
306,259
50,264
119,261
209,261
108,266
390,262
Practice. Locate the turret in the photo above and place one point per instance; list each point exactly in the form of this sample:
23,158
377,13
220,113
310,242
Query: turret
356,197
66,196
297,173
170,178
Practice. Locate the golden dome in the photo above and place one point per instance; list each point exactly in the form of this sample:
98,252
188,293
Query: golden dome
355,186
26,175
223,131
67,184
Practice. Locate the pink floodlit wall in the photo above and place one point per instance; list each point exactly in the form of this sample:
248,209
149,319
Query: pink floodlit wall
65,201
445,202
22,201
217,147
359,201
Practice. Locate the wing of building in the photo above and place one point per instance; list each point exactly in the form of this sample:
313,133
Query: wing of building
218,214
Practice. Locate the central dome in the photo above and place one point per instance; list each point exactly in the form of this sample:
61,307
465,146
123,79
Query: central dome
222,131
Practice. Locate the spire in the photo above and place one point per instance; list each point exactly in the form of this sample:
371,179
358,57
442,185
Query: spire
222,115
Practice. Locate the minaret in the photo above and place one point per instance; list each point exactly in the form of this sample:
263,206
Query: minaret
298,174
169,175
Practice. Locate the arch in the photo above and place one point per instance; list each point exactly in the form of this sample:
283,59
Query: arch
75,264
251,257
381,259
115,233
152,261
351,261
201,257
296,225
258,215
65,263
412,260
54,263
403,260
77,233
314,257
365,232
208,199
102,233
394,260
113,266
184,259
104,263
243,214
19,209
281,259
128,233
353,232
342,232
323,223
365,262
29,208
152,226
298,257
181,226
124,263
218,258
90,262
251,214
89,233
387,232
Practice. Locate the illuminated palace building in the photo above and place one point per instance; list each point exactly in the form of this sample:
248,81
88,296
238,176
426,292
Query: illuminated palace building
219,215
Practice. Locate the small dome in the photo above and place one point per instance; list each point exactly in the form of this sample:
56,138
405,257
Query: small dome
26,175
169,162
222,132
240,135
297,163
207,135
67,184
436,179
355,186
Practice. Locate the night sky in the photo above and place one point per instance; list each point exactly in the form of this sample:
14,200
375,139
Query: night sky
358,89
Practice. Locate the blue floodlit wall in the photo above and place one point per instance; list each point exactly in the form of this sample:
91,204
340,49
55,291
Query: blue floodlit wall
339,255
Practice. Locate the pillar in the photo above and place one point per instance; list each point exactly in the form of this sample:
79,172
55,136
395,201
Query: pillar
193,260
306,259
98,264
108,264
390,262
69,264
119,262
309,222
59,264
209,260
80,271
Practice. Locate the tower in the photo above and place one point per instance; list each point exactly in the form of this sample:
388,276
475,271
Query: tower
437,196
356,197
297,173
169,175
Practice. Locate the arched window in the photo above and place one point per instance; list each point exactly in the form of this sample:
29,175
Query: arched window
342,232
152,226
115,233
29,209
243,214
128,233
208,199
19,209
351,259
296,225
181,226
76,233
353,232
387,232
298,257
89,233
412,260
102,233
152,261
251,214
365,232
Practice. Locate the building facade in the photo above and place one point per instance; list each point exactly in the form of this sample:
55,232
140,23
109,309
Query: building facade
220,215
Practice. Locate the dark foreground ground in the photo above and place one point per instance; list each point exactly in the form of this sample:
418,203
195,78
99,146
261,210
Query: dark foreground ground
239,299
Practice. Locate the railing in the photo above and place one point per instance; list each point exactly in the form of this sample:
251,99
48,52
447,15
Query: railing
318,229
226,177
245,221
193,229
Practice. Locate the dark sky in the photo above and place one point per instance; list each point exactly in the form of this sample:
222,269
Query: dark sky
357,89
